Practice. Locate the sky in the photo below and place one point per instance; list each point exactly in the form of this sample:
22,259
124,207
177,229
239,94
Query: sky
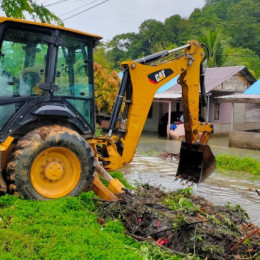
115,17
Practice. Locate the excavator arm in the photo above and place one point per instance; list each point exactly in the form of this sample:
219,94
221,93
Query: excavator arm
136,92
58,162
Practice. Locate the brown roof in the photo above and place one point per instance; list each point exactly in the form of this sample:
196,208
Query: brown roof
216,76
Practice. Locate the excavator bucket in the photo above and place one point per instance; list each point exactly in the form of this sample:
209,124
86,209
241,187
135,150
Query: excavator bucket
196,163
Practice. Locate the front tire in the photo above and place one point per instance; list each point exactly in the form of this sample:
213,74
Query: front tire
51,162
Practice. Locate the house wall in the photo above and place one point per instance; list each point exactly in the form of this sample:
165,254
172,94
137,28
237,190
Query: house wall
228,118
252,114
236,83
250,119
245,116
239,113
225,112
221,128
223,125
151,123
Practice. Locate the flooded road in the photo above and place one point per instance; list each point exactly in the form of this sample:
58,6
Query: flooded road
218,144
219,188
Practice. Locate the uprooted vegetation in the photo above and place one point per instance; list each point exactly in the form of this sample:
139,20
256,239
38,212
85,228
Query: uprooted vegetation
174,225
185,224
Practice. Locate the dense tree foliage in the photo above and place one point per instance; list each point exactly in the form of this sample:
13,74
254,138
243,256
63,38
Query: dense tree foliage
21,8
106,86
230,29
242,56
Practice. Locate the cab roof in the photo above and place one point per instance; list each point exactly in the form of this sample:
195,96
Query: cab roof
8,19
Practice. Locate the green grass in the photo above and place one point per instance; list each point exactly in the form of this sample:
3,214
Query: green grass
236,163
65,228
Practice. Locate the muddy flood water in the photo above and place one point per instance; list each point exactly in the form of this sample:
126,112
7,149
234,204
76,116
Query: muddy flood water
219,188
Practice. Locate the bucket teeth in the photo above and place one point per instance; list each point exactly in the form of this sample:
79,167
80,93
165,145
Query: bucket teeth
175,180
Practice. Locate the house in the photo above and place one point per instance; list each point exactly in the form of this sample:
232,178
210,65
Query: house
219,81
246,132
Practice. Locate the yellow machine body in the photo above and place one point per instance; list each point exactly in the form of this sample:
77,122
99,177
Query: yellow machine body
47,25
56,171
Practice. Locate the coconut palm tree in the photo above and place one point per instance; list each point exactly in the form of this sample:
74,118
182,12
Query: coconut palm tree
215,43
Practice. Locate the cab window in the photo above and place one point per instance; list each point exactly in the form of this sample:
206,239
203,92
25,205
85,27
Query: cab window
22,63
74,75
74,68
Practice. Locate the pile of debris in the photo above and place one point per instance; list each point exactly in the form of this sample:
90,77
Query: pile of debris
185,224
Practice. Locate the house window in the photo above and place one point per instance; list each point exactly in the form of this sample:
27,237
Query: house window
216,111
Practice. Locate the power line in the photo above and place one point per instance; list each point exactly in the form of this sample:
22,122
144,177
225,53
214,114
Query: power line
84,10
44,2
58,2
78,8
237,55
74,1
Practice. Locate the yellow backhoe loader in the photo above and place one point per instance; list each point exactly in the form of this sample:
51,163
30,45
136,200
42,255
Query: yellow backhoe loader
47,112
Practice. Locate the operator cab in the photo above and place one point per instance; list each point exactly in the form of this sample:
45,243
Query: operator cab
46,77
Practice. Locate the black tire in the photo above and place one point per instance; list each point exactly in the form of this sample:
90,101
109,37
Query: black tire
33,145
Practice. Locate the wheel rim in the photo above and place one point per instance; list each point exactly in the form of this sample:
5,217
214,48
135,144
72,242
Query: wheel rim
55,172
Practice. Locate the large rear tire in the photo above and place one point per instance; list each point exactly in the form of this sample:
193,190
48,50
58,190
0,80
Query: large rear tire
51,162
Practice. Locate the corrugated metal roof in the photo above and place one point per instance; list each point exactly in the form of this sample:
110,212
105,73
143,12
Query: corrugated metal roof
254,89
167,85
215,77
